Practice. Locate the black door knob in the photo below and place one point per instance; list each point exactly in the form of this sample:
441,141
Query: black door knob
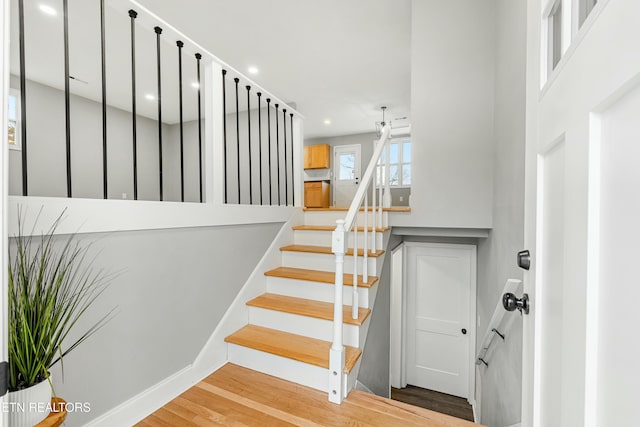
464,331
510,303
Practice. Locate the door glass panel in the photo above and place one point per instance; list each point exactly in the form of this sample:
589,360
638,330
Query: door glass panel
347,166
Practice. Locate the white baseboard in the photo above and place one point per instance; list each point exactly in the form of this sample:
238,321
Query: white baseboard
214,353
146,402
475,414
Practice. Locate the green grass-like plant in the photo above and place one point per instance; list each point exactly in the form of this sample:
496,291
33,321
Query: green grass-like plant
51,286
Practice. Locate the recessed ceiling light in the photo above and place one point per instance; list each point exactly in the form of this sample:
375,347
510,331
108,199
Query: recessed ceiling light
327,122
44,8
252,70
150,97
195,85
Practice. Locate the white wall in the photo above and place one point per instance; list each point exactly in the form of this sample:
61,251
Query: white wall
452,78
171,290
502,381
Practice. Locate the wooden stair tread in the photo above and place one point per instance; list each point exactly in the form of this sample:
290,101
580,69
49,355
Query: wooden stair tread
306,307
292,346
340,209
318,276
394,407
326,250
333,227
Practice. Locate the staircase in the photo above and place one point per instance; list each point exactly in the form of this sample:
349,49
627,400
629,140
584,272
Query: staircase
291,325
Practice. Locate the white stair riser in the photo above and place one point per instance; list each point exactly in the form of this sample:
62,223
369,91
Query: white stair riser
281,367
330,217
303,325
318,291
288,369
323,238
324,262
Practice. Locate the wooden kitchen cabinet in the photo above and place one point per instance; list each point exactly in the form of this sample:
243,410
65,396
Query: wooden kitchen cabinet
317,156
316,194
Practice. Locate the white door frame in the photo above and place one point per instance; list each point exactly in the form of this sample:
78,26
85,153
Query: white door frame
336,167
401,358
4,162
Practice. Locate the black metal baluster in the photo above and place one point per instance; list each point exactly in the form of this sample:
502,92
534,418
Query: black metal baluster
158,31
269,140
260,143
133,14
198,58
249,143
278,154
237,80
293,176
103,59
67,97
23,99
286,173
224,130
180,46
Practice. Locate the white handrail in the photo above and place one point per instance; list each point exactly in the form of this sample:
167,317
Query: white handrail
337,385
494,324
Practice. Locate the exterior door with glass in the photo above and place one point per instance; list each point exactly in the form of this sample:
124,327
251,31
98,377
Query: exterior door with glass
346,173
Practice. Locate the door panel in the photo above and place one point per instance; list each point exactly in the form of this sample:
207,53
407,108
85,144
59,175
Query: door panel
617,322
440,279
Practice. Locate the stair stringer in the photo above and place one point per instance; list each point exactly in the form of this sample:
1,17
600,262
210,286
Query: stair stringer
215,351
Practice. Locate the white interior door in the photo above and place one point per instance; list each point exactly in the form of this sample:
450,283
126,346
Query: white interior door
582,206
346,173
440,310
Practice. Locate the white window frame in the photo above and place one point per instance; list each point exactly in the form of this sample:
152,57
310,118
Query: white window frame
400,162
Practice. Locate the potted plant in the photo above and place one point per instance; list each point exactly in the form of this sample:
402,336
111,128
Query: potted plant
51,286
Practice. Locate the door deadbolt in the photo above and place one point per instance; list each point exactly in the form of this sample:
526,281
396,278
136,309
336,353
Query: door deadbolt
510,302
464,331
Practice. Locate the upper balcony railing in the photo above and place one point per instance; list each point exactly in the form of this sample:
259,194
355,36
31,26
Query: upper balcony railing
112,102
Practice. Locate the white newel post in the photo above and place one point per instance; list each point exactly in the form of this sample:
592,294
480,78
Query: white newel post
336,355
354,303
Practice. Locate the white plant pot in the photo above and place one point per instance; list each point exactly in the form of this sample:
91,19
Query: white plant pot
29,406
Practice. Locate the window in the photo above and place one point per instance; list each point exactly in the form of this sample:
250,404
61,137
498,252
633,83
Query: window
13,125
399,164
554,35
586,6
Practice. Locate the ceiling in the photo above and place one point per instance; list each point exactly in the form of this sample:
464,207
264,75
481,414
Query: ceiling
336,60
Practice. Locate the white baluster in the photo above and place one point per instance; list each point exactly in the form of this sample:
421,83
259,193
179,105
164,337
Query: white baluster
379,216
354,304
365,267
336,355
373,208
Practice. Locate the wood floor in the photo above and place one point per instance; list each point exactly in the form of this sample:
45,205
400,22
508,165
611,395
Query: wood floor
236,396
435,401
